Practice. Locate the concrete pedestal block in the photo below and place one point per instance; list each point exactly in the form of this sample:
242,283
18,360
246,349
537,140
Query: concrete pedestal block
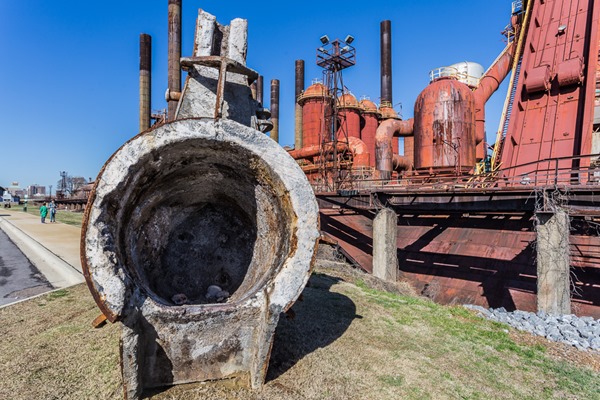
553,266
385,249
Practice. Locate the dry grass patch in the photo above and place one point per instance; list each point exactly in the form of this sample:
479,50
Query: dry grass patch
347,341
50,351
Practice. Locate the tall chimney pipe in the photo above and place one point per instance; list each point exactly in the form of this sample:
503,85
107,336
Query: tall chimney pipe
275,109
145,80
298,107
386,62
259,89
174,66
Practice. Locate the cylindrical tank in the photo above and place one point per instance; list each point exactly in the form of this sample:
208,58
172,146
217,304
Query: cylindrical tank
369,123
315,102
387,112
348,117
466,72
445,126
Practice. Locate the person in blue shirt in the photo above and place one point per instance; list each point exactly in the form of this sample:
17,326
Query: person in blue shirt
52,211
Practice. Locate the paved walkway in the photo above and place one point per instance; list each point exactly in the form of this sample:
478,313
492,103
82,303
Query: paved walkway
18,277
52,248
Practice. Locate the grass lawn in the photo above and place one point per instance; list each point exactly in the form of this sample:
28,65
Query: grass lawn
64,216
348,340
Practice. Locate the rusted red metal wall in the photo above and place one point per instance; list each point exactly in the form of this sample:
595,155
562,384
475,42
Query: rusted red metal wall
487,260
349,117
445,126
315,103
552,114
409,149
369,123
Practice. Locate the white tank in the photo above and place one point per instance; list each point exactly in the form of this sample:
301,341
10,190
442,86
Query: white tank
466,72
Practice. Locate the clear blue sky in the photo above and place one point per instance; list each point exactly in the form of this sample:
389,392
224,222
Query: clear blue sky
69,69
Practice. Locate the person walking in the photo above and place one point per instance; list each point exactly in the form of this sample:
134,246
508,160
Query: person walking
52,211
43,212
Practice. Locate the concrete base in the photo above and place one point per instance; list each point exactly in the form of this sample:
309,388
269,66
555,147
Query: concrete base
553,266
385,249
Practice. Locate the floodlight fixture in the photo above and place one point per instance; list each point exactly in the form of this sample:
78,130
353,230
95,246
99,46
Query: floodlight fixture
324,39
349,39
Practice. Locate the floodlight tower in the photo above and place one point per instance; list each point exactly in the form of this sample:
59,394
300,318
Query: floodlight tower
333,56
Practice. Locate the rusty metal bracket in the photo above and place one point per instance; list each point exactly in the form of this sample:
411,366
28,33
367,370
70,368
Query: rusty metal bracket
223,64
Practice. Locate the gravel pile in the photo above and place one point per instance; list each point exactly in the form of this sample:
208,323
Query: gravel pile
581,332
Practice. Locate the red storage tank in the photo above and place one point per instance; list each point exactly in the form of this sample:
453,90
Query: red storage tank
445,126
315,102
388,112
369,123
348,116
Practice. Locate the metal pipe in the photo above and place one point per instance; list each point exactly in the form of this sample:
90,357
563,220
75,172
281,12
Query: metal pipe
275,109
360,152
384,155
298,107
315,150
358,148
259,89
174,67
401,163
145,80
386,61
488,84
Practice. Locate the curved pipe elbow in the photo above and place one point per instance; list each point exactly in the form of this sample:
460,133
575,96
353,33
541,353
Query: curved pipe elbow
360,152
488,84
384,156
401,163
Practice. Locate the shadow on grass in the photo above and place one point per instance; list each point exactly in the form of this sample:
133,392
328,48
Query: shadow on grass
321,318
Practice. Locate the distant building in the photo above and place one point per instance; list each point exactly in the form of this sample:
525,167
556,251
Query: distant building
36,190
15,190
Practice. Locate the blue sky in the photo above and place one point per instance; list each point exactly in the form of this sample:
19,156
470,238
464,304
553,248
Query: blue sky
69,68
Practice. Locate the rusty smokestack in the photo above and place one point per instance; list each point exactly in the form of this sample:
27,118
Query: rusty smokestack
275,109
259,89
174,66
145,80
386,62
298,107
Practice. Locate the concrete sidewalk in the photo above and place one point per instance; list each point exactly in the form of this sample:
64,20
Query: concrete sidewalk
52,247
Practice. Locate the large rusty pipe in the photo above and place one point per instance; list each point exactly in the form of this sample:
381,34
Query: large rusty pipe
174,67
358,148
386,61
297,106
384,154
488,84
401,163
259,89
145,80
315,150
360,152
275,109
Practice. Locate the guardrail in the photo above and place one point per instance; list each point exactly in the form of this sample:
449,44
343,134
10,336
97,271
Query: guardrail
549,172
